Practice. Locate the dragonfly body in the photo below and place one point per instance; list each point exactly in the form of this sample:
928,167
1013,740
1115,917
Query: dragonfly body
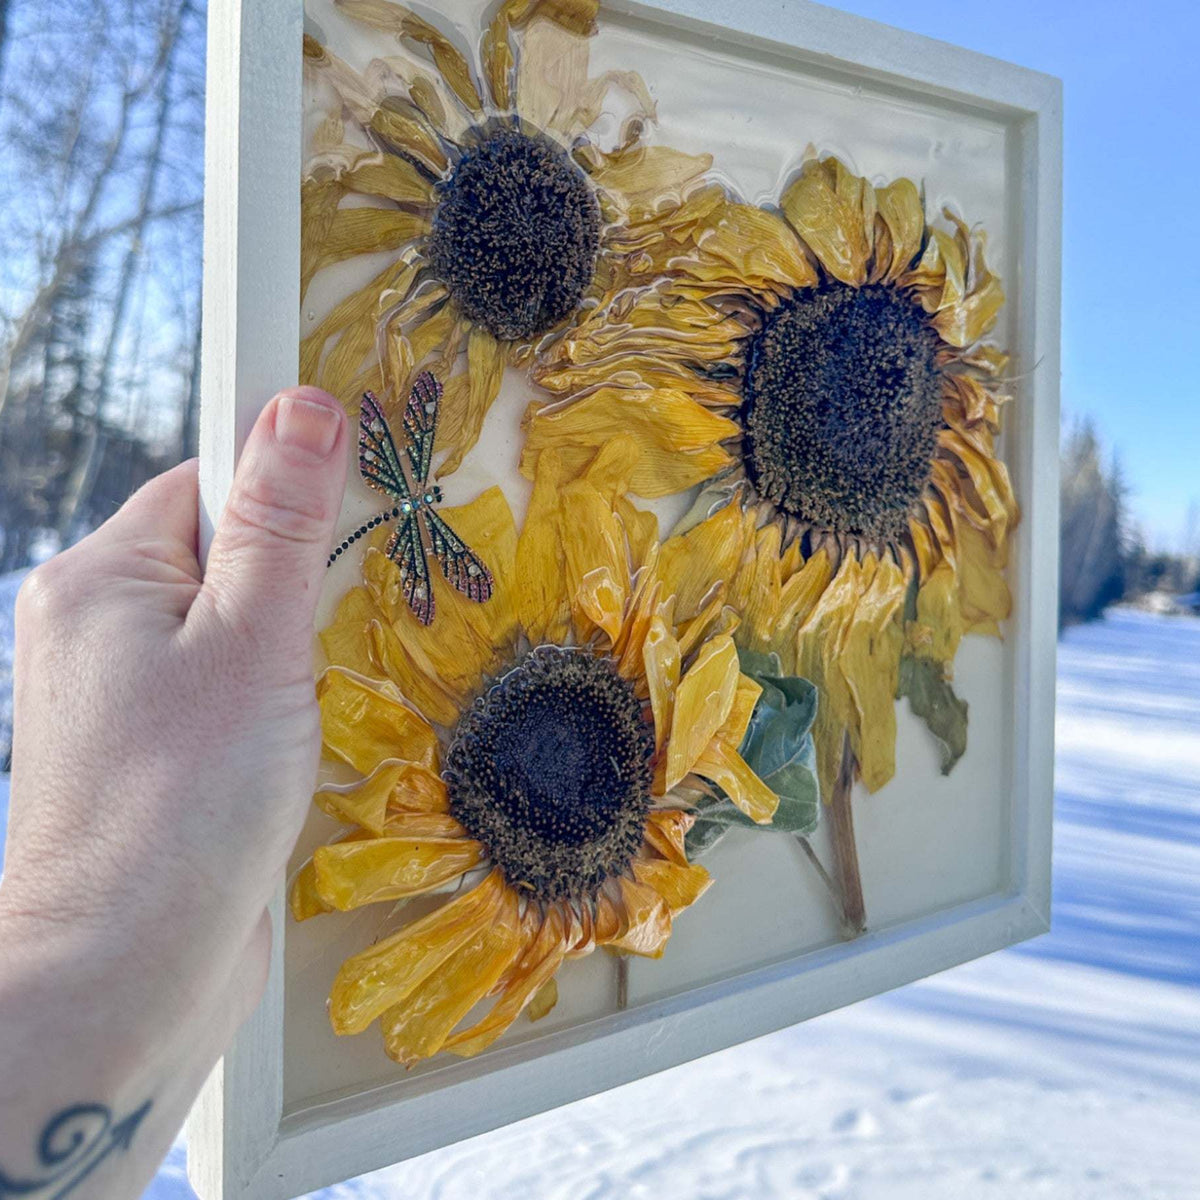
402,474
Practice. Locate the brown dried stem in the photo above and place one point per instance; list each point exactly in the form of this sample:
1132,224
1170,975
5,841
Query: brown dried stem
854,911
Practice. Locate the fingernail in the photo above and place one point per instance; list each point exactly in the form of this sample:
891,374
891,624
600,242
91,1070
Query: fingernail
307,425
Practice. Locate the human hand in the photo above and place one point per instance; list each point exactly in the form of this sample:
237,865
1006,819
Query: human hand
166,739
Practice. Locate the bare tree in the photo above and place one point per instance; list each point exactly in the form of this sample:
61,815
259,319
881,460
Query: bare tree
99,255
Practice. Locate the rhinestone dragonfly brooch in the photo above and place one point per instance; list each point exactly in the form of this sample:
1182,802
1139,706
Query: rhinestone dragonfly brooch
403,476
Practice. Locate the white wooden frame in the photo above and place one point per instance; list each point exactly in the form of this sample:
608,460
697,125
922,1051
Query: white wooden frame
240,1143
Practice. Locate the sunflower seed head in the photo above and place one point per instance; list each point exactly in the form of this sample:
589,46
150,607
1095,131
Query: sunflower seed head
551,771
516,233
842,407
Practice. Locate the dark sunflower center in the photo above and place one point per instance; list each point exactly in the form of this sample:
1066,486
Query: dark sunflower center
551,771
515,234
842,406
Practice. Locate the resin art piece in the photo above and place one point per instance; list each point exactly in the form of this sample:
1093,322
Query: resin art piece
685,655
722,486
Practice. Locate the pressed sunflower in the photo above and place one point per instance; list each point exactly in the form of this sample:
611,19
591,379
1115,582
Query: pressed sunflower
551,737
820,370
501,214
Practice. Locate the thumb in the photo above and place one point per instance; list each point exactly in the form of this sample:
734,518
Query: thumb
272,540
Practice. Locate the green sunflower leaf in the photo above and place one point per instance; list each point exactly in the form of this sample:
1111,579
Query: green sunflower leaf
779,748
931,697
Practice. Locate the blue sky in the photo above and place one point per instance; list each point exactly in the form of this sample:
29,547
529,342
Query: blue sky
1131,239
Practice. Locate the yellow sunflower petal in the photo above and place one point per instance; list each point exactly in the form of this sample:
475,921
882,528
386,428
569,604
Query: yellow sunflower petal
579,16
414,786
666,831
751,249
319,200
900,210
679,438
984,598
404,824
732,774
598,604
870,663
363,230
486,524
679,886
828,214
613,466
702,704
645,921
374,173
345,641
938,628
536,969
643,605
832,643
402,124
802,591
714,617
552,75
756,589
351,874
304,900
639,179
661,662
408,664
441,331
544,1001
443,113
419,1026
733,728
393,281
641,528
987,496
597,561
382,976
968,403
554,90
345,360
975,314
692,563
351,88
408,27
364,722
486,358
939,276
498,60
543,605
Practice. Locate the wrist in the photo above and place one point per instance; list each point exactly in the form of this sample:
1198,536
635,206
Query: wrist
81,1093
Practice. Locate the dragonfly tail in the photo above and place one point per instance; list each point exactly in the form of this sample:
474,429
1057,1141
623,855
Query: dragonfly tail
365,528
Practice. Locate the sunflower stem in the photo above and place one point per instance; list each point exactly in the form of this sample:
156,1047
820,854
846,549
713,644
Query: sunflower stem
622,982
831,884
854,913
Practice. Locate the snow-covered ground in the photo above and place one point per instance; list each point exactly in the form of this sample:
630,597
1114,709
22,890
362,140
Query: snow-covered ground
1067,1067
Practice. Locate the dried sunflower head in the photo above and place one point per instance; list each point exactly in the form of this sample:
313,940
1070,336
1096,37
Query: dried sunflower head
482,180
821,370
553,736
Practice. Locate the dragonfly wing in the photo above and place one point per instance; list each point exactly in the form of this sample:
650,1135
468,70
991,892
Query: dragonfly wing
406,549
462,567
420,423
378,458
